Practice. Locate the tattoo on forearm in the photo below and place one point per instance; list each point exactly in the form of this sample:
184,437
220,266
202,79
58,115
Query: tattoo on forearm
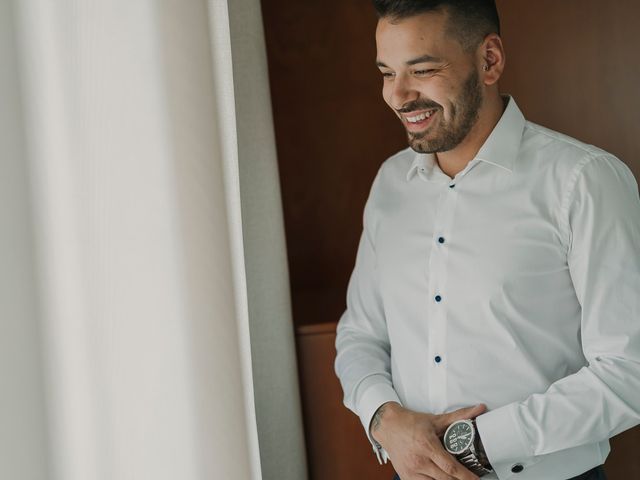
377,417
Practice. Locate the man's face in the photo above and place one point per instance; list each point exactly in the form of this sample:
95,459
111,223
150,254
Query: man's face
430,82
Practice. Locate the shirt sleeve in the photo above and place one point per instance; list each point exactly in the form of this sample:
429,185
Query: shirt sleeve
600,400
363,362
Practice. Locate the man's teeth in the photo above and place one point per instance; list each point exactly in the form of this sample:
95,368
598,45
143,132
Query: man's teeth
421,117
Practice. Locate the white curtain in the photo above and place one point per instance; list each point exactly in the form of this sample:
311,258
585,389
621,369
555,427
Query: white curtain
145,311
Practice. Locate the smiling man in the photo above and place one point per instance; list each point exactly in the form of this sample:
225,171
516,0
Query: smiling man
492,315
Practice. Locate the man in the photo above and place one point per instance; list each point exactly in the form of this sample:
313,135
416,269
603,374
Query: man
498,274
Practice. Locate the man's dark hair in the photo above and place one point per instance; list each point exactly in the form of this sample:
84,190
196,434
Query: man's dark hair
470,21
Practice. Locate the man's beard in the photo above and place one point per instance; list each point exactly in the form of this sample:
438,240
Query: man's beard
449,135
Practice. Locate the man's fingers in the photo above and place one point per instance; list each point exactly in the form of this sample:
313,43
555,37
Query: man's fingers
434,471
429,471
468,412
415,476
443,421
449,465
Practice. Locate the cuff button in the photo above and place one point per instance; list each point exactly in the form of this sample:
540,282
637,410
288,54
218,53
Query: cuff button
517,468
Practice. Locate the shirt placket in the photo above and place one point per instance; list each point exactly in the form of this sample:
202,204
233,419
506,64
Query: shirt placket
437,314
438,359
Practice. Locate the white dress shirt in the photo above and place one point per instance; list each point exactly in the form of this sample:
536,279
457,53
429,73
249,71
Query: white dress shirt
515,284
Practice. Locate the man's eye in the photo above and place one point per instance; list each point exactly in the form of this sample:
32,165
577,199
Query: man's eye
424,72
387,75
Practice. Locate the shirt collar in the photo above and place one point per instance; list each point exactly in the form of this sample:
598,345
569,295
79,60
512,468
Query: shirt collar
500,148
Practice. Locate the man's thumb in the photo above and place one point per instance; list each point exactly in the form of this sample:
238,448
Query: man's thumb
443,421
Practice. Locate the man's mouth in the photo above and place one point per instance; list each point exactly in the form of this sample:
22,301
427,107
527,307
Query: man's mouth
415,122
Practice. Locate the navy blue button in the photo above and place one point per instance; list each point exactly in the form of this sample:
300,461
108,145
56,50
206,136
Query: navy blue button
438,359
438,298
441,239
517,468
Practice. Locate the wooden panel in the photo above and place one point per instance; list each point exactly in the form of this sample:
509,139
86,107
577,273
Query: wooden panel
623,463
574,66
337,446
332,132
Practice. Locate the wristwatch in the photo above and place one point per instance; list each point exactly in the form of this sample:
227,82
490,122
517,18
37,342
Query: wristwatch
463,442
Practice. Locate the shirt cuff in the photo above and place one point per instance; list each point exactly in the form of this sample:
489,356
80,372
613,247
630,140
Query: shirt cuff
504,442
374,391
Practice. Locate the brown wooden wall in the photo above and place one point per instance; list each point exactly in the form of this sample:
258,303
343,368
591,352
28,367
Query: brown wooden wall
572,65
337,448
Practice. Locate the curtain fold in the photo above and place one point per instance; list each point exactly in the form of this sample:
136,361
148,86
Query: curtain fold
23,429
277,396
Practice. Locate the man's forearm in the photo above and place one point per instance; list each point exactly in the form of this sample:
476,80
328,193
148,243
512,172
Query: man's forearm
376,420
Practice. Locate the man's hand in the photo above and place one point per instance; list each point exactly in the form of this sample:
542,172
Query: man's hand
413,443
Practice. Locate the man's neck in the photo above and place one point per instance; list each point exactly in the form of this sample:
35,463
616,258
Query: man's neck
454,161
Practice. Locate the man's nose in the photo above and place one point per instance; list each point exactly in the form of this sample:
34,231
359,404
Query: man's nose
402,92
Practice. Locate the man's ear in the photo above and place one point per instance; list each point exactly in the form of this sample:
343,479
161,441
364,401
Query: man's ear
492,59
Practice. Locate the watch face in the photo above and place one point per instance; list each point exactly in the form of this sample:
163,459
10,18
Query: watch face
458,437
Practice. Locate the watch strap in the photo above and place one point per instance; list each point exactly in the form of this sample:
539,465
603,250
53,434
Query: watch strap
471,462
478,448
